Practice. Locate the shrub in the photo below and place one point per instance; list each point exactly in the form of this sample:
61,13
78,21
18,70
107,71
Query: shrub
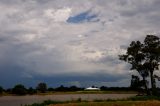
19,90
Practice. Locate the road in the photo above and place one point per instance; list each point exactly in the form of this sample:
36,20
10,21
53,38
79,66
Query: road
22,100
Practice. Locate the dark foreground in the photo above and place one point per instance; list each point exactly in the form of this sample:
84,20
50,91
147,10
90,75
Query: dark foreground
110,103
22,100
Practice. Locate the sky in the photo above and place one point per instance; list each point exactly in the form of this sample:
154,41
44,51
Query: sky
71,42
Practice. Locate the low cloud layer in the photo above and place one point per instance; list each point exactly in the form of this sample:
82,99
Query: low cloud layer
71,42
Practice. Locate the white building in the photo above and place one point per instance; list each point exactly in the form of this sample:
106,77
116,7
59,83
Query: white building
92,88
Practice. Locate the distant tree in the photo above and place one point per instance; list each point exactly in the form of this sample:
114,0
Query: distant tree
61,88
42,87
104,88
19,90
31,91
50,89
9,90
74,88
1,90
144,57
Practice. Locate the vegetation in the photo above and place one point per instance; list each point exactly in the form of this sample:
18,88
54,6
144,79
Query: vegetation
1,90
118,103
22,90
19,90
46,103
42,87
145,58
66,89
31,91
133,101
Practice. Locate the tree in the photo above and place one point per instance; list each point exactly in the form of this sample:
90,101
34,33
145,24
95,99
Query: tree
135,82
62,88
42,87
1,90
31,91
50,89
144,57
19,89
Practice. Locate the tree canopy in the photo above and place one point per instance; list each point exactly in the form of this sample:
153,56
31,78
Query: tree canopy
144,57
19,89
42,87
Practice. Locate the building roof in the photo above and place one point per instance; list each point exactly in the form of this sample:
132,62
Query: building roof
92,88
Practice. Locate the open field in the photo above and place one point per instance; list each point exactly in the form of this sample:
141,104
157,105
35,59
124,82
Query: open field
115,103
19,100
78,92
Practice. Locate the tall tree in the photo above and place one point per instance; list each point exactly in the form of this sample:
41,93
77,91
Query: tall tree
144,57
152,56
42,87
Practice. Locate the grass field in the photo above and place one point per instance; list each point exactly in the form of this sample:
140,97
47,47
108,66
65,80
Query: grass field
78,92
132,101
89,92
115,103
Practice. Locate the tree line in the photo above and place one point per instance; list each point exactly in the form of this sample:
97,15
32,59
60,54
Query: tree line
20,89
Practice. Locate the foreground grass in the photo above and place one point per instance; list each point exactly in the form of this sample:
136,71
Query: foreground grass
117,103
105,103
133,101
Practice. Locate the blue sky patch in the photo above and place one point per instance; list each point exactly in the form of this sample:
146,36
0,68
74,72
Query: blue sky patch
82,17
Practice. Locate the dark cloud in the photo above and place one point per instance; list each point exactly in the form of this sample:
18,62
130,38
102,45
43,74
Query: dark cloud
40,43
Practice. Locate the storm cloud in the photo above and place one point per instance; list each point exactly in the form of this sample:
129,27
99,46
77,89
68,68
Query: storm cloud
71,42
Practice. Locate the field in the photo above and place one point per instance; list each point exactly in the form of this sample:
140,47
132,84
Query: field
115,103
100,103
132,101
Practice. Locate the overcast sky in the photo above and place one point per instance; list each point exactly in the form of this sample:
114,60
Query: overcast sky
71,42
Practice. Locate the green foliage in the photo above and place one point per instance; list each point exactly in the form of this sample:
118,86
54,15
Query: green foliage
42,87
19,90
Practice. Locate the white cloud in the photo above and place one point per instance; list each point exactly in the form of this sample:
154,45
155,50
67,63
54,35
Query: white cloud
59,15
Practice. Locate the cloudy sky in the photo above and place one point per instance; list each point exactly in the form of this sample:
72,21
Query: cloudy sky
71,42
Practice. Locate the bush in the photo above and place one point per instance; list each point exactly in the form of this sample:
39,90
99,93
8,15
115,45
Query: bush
19,90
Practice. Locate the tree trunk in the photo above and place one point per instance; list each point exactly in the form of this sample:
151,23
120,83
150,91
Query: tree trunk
145,85
153,86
